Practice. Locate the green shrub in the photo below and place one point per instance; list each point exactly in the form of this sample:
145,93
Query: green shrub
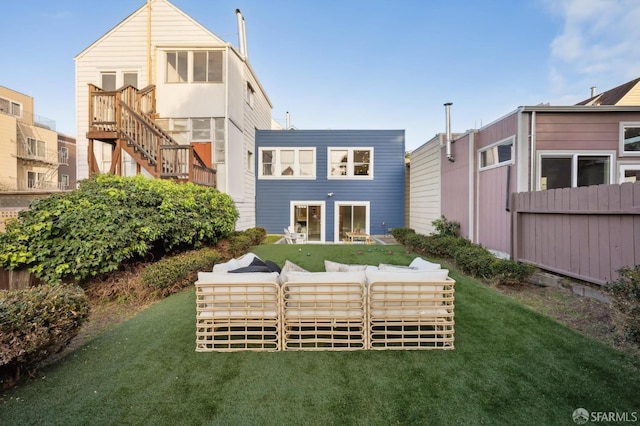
443,246
510,272
111,219
257,235
401,234
35,323
446,228
239,244
176,272
475,260
625,297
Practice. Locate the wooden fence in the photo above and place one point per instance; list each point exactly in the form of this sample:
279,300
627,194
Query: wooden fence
586,233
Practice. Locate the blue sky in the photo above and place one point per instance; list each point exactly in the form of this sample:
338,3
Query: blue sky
356,64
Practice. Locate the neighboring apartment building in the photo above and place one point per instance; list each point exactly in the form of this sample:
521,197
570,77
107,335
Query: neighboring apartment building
199,90
28,148
67,176
530,149
325,183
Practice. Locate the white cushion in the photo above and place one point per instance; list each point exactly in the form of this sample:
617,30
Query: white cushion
241,262
246,278
423,265
387,267
408,276
330,266
326,277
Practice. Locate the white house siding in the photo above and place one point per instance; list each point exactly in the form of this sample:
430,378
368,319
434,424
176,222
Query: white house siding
425,186
124,48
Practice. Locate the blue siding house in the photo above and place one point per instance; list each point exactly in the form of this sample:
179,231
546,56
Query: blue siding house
326,183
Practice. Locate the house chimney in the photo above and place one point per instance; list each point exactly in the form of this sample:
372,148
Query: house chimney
593,91
447,108
242,34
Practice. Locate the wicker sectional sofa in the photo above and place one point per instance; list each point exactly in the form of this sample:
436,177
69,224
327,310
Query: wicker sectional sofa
363,307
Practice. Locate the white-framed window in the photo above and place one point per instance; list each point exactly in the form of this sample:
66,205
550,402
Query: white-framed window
287,163
207,66
630,138
249,94
10,107
496,155
202,129
108,80
64,155
36,148
567,169
130,78
350,163
198,66
629,173
35,179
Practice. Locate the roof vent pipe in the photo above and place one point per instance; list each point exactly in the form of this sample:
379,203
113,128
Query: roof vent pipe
593,91
447,108
288,123
242,34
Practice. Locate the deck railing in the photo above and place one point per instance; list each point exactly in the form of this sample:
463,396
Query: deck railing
128,113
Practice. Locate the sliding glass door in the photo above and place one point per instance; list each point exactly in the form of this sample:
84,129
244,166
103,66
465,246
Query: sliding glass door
351,217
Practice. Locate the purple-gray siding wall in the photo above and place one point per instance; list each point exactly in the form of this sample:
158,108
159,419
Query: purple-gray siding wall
455,184
493,224
586,233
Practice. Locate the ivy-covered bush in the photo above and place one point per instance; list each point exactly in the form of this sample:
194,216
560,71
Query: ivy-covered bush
257,235
35,323
176,272
401,234
110,219
625,297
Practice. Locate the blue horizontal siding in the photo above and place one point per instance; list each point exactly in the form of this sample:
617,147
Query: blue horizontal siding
385,191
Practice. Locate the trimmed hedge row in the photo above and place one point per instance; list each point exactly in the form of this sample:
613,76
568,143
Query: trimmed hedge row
472,259
35,323
111,219
176,272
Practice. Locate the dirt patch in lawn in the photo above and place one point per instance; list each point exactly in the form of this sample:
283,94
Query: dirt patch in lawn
588,316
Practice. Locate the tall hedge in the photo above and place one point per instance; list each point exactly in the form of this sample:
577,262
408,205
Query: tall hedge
110,219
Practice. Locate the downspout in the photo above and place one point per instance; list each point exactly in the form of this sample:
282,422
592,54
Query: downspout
473,188
447,108
149,43
532,153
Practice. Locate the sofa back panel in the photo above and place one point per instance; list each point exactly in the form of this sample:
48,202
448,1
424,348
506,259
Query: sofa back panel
246,278
408,276
327,277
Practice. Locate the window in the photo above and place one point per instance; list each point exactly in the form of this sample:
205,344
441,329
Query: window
496,155
35,179
187,130
130,79
177,66
353,163
566,170
207,66
10,108
64,155
287,163
36,148
64,181
108,80
629,173
630,138
249,94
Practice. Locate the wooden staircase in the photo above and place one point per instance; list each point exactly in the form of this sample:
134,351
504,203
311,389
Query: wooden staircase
124,118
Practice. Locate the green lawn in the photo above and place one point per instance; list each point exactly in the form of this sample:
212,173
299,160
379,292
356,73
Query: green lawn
510,366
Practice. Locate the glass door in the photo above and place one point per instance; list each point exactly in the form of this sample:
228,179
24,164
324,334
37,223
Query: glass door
308,219
352,218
